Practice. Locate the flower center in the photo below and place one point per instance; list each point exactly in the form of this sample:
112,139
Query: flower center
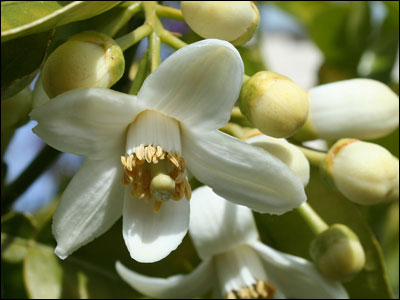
259,290
151,171
241,274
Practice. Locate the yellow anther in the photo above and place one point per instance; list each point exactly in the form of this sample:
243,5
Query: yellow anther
153,178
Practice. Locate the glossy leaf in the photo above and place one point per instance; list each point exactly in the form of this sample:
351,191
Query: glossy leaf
288,233
42,273
21,18
21,60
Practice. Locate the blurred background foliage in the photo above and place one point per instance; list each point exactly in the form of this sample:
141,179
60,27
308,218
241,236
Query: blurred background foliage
352,42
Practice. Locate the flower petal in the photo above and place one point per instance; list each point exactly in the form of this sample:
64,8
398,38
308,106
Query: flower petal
89,206
241,173
217,225
286,152
296,277
357,108
150,236
88,122
197,85
39,95
192,285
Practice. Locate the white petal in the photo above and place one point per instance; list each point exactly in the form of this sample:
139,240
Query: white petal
241,173
197,85
239,268
39,95
151,236
289,154
296,277
192,285
89,206
88,122
217,225
357,108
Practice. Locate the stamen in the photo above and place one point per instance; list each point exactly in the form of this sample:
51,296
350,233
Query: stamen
260,290
153,177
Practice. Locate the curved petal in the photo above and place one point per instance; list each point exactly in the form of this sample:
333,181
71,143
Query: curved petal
88,122
192,285
197,85
241,173
296,277
356,108
89,206
39,95
150,236
217,225
289,154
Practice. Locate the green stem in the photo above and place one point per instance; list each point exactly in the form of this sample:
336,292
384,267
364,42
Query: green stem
314,221
133,37
154,38
169,12
314,157
155,51
130,8
141,74
171,40
42,161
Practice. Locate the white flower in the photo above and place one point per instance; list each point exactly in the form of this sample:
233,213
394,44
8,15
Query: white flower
172,122
357,108
235,264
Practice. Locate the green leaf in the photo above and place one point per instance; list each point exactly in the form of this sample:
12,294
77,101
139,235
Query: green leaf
13,249
290,234
19,225
42,273
21,18
21,60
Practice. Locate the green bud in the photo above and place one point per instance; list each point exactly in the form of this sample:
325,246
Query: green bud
88,59
232,21
338,253
364,172
274,104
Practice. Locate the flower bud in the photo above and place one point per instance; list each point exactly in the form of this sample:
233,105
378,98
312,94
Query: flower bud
14,110
338,253
365,173
232,21
88,59
274,104
357,108
289,154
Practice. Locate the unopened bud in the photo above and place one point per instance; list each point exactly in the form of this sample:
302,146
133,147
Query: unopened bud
289,154
364,172
356,108
14,110
232,21
88,59
338,253
274,104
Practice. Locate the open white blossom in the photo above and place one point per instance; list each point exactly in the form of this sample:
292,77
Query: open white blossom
172,123
235,264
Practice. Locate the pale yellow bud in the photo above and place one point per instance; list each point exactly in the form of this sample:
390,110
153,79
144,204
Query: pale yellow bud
88,59
289,154
14,110
274,104
364,172
338,253
232,21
